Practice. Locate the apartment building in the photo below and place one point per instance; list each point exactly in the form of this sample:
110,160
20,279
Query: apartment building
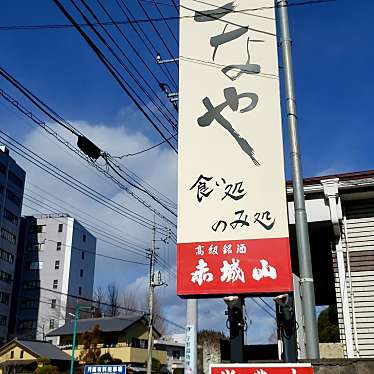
55,270
12,180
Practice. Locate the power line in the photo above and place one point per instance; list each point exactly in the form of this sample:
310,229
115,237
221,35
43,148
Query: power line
139,311
131,64
129,248
139,21
78,185
145,40
139,55
111,69
81,154
143,150
96,219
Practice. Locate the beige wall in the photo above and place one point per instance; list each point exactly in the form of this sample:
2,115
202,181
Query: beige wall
4,356
127,354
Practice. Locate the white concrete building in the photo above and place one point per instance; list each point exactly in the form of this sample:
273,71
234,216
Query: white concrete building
55,270
12,179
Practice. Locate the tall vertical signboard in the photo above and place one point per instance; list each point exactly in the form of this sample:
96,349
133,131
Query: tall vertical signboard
232,217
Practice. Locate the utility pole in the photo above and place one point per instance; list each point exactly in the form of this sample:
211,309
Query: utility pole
151,294
153,283
191,337
303,247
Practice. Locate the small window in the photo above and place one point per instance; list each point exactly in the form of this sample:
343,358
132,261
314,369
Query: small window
81,273
12,354
21,354
82,255
84,237
55,283
51,323
60,226
80,291
57,264
53,303
58,246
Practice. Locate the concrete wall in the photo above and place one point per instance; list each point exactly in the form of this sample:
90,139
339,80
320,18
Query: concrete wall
359,366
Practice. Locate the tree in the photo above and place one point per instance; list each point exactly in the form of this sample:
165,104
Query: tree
107,359
328,325
99,301
90,353
113,299
45,367
129,302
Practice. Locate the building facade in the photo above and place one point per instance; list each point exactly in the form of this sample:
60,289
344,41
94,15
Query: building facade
55,270
340,211
12,180
124,338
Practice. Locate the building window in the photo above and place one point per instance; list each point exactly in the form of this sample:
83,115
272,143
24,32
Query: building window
10,217
55,283
81,273
37,229
176,355
21,354
5,277
35,265
6,256
29,304
80,291
60,226
53,303
5,234
31,284
57,264
36,247
4,298
82,255
28,324
58,247
3,320
15,179
2,168
11,196
51,323
12,354
84,237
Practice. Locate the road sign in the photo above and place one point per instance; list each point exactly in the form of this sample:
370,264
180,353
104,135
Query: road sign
94,369
232,215
261,369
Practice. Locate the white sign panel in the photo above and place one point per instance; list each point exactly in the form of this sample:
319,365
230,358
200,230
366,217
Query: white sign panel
232,216
189,350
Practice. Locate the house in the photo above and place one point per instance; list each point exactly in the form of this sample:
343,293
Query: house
22,356
174,347
125,338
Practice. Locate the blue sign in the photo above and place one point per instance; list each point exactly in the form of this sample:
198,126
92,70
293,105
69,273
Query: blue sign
118,369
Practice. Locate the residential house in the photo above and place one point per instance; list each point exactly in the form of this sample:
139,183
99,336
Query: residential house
125,338
21,356
174,347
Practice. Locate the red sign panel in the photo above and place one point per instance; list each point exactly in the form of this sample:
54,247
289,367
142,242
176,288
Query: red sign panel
262,369
236,266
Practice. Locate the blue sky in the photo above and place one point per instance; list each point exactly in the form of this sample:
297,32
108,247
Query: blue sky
333,58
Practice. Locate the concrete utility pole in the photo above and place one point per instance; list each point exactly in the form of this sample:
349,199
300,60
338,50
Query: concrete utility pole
305,263
151,294
191,337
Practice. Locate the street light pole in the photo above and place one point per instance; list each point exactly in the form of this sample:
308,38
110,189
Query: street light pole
76,316
303,247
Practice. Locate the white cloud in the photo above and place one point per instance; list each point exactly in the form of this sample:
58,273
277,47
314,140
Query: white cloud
159,168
